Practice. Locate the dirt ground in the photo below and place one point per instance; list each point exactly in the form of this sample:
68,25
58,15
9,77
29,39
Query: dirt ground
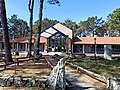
39,68
86,79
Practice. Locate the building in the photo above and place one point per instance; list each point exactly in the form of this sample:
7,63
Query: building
21,44
56,38
59,38
88,44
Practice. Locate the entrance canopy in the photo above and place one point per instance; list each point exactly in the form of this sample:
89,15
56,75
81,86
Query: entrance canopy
57,28
48,32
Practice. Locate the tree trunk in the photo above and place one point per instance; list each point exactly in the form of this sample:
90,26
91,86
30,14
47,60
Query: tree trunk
30,6
8,55
37,38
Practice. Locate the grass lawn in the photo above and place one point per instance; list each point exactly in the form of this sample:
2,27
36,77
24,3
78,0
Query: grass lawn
108,68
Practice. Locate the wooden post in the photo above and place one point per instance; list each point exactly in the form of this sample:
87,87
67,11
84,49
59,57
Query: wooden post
5,65
83,48
17,62
17,46
26,48
15,67
48,44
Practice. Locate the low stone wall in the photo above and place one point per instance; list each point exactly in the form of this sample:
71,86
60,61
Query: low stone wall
34,81
57,80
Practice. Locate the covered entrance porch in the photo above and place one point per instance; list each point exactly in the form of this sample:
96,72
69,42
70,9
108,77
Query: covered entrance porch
58,38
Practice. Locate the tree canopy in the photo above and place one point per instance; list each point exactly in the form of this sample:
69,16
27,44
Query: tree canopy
113,22
17,27
46,23
71,25
91,25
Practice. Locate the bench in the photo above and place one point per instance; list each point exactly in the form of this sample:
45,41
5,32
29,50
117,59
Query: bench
51,61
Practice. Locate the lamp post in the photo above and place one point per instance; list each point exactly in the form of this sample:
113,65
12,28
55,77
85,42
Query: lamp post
95,50
95,47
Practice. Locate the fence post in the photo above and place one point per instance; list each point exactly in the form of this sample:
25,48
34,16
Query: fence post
108,83
5,64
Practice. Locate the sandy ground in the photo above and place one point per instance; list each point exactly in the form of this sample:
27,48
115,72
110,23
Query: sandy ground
80,81
40,68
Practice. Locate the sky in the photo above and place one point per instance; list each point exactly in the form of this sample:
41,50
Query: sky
75,10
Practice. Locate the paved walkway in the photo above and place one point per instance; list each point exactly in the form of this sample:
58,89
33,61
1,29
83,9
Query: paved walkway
79,81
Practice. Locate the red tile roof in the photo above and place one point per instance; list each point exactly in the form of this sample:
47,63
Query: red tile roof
99,40
26,40
76,40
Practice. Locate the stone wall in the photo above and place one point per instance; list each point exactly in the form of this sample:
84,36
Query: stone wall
34,81
57,80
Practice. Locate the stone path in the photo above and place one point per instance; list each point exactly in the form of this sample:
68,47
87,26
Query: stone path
79,81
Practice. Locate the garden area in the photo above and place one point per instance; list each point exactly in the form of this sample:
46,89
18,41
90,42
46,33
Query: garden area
40,68
107,68
27,75
25,66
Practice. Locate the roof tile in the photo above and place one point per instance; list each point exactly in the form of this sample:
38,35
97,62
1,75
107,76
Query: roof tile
99,40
